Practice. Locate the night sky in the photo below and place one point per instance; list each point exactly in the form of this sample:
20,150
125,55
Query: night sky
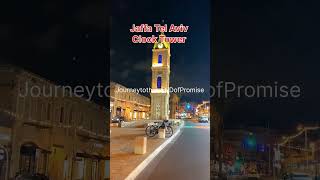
190,62
254,42
259,42
65,42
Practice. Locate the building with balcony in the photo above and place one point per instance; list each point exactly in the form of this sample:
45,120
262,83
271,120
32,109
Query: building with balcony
203,109
43,130
129,104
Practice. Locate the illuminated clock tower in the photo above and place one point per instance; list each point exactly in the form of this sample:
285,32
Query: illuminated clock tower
160,80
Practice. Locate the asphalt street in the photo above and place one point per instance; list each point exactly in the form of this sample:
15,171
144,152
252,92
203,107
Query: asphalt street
188,157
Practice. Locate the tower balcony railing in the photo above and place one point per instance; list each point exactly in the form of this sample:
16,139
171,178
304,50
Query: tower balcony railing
157,65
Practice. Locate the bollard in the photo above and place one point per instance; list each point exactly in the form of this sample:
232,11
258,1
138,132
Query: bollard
162,133
140,145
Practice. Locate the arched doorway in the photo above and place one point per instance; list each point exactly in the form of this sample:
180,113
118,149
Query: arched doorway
28,158
33,159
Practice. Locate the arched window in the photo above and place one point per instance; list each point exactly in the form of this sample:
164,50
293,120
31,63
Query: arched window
159,82
160,59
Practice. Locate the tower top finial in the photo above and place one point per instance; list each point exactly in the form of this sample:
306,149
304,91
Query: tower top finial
162,33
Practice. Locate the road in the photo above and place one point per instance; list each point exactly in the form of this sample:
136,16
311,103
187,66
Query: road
188,157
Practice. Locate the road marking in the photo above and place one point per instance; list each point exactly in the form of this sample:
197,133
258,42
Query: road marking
199,127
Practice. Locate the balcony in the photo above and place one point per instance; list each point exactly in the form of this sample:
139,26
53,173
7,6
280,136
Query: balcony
90,134
39,124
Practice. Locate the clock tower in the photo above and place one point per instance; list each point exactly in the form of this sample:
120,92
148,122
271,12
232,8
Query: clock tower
160,79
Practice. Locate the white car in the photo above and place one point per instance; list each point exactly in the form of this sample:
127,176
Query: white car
204,119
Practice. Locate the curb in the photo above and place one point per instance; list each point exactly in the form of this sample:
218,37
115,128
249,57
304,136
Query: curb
148,160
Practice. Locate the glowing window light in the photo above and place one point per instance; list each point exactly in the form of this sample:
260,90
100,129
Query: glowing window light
160,59
159,80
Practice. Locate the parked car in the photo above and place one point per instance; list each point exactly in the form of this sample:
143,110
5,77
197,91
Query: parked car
117,119
203,119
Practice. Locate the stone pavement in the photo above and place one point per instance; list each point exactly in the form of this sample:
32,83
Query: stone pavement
123,160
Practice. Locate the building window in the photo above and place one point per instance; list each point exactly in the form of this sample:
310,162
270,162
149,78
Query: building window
81,119
91,124
70,116
49,112
94,172
160,59
61,115
65,168
81,168
28,158
159,82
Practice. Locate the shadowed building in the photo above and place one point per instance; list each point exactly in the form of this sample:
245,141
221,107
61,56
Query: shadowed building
130,105
174,105
160,80
43,129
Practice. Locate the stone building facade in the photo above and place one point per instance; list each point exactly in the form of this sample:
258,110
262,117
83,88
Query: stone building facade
60,136
130,105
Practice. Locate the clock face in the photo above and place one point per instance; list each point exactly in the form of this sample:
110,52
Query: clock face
160,45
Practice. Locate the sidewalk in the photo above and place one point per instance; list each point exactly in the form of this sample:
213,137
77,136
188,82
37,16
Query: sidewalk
123,161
